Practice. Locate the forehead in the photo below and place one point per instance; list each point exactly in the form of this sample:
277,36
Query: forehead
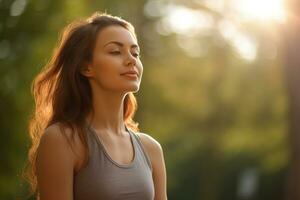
115,33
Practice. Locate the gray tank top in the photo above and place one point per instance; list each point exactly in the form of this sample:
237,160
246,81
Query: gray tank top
104,179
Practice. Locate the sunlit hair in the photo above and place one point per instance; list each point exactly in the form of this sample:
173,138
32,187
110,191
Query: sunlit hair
62,94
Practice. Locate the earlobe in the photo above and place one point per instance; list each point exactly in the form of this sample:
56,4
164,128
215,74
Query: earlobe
86,71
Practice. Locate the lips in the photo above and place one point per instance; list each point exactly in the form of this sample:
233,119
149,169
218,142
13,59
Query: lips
132,72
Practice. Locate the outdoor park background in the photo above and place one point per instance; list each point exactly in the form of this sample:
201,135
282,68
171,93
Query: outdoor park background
219,90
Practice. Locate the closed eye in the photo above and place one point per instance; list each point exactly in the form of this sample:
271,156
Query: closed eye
115,52
136,55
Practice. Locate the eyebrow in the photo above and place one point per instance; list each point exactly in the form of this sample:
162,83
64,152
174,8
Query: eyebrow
121,44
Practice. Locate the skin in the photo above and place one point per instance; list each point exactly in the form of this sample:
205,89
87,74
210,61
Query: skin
116,52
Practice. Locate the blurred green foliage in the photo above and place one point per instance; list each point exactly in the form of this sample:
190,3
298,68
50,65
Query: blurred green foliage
218,117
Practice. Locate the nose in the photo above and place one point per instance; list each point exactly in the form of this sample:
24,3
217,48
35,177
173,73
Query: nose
130,60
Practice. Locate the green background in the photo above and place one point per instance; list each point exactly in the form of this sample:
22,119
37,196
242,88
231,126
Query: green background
220,118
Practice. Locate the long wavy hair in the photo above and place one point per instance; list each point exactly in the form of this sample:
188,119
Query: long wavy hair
63,95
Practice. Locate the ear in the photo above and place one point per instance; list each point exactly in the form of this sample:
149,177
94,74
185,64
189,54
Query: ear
86,70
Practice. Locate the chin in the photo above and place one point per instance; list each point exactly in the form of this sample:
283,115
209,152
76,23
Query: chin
132,89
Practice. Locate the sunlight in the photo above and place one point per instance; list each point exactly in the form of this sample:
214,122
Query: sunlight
189,24
245,47
185,21
243,44
262,10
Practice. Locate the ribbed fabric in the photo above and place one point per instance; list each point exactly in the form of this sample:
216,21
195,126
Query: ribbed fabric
105,179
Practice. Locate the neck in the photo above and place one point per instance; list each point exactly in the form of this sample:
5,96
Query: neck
108,112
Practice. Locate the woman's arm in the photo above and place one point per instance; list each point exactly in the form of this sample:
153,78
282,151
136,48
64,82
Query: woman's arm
155,152
55,164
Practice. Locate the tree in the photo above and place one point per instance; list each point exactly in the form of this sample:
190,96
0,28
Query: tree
291,48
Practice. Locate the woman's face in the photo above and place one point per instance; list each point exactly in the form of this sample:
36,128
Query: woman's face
115,58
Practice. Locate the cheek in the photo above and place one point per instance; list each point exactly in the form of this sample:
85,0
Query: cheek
100,60
104,64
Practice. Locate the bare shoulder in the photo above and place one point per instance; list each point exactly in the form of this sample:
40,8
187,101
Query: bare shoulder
53,136
55,129
152,147
54,142
54,133
55,165
69,143
150,143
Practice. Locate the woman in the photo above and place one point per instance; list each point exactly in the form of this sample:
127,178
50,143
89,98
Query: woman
85,144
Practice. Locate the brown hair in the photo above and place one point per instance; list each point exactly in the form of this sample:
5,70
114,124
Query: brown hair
61,81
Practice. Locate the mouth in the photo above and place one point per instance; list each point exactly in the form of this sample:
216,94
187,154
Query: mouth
130,74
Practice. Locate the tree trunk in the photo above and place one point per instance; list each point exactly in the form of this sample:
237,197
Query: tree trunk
291,50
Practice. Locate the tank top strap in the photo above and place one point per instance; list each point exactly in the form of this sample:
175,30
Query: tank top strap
141,146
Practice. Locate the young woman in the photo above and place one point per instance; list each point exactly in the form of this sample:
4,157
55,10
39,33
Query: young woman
85,144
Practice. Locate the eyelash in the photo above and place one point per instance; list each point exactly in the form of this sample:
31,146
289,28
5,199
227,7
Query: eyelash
136,55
